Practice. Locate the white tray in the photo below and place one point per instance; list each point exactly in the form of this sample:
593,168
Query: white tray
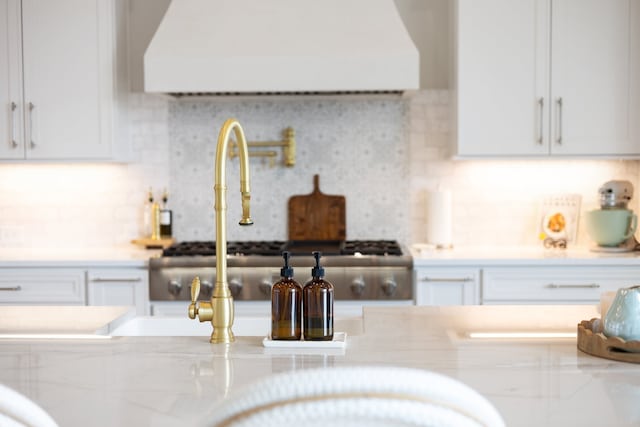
339,341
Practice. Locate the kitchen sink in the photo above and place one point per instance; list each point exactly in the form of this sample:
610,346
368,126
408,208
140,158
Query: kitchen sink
150,326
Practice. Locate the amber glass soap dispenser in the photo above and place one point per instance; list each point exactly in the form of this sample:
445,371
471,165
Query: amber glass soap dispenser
317,300
286,305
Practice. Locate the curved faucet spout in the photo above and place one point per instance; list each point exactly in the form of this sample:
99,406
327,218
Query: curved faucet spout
220,309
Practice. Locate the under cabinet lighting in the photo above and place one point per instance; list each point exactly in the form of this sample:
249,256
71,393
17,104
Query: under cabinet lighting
515,335
54,337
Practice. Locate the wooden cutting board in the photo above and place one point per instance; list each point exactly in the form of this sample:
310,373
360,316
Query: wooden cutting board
317,216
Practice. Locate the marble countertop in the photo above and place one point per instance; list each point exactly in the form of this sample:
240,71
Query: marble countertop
423,255
118,256
426,255
167,381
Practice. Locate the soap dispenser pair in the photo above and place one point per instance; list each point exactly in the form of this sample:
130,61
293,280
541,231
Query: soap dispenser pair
298,311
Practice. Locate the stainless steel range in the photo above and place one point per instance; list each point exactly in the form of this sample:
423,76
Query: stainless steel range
360,270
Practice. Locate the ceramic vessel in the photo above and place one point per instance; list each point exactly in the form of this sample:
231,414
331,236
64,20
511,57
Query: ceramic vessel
611,227
623,317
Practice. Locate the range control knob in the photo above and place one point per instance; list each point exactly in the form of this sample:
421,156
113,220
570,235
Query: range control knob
174,287
207,287
357,286
265,287
389,287
235,286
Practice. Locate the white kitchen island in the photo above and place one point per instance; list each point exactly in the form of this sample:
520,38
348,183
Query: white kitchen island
166,381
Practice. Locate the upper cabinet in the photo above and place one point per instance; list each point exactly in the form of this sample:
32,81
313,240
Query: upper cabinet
547,77
65,97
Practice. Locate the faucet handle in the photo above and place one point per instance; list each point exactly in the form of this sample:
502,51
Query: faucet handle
195,289
195,292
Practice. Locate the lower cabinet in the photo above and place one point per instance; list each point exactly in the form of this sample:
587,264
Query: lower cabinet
119,286
75,286
42,286
447,286
520,284
554,285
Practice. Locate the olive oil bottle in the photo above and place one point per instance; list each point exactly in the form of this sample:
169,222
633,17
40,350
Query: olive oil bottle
286,305
317,300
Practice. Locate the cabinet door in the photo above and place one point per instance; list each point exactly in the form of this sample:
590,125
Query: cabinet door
46,286
119,287
64,69
450,286
502,77
11,127
591,77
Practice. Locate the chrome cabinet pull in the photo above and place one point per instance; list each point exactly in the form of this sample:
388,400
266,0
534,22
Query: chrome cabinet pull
32,107
585,286
12,125
115,279
12,288
447,279
559,138
541,130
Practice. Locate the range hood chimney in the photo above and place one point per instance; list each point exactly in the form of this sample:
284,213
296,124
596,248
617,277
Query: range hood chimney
281,46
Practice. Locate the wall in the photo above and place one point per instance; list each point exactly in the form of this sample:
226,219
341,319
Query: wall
383,155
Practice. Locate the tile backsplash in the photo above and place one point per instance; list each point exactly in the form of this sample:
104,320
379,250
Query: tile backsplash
383,154
357,147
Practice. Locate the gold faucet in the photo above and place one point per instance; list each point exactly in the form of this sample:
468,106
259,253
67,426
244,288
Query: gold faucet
220,309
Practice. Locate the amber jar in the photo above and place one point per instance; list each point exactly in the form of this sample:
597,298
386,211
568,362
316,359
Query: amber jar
286,305
317,300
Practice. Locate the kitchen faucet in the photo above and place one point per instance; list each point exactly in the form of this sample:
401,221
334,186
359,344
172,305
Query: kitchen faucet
220,309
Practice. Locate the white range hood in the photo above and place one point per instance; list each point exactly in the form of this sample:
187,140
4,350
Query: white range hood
281,46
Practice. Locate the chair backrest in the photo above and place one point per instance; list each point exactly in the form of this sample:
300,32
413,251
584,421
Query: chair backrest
16,410
356,396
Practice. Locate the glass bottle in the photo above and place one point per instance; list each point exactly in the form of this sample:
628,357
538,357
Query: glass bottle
317,300
286,305
166,217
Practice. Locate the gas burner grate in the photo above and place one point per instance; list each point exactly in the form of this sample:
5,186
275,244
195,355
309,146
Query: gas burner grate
208,248
275,248
256,248
371,247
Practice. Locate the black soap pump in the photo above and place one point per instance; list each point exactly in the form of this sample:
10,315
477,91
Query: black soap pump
317,300
286,305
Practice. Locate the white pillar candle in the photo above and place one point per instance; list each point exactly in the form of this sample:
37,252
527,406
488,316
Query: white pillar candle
439,218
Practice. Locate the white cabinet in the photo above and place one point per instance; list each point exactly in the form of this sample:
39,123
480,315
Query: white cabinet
447,286
119,286
46,286
553,285
547,77
63,83
76,286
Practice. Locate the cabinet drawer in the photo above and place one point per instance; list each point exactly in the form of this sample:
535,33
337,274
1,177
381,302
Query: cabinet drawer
447,286
42,286
554,284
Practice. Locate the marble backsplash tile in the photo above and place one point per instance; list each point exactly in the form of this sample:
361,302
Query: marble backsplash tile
357,147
